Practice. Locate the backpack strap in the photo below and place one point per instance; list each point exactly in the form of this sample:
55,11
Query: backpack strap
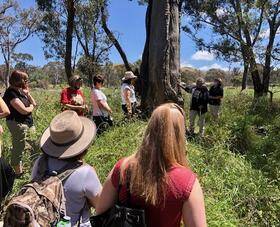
62,174
66,171
42,166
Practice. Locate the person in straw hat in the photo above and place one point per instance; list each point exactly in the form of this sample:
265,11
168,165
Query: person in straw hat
66,140
72,98
129,101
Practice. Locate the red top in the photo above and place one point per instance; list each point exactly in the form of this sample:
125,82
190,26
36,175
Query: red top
73,97
178,191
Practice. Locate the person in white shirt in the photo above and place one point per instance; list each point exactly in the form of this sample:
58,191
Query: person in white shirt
129,101
101,109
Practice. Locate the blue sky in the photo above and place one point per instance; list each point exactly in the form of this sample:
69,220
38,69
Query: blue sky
128,19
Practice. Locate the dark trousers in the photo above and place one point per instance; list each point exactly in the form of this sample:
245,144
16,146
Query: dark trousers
133,106
101,123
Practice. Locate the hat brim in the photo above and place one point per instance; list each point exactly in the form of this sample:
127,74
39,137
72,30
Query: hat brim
129,78
69,151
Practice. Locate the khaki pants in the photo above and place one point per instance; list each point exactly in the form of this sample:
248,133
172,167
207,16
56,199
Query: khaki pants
215,111
21,141
193,114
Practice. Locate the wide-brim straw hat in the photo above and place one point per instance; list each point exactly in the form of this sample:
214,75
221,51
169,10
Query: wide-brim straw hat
68,135
128,76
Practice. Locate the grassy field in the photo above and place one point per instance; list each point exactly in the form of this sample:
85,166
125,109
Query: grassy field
238,161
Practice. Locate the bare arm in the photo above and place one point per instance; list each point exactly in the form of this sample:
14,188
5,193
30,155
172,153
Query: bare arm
4,110
194,209
108,196
73,107
31,100
20,107
93,201
127,94
29,96
104,105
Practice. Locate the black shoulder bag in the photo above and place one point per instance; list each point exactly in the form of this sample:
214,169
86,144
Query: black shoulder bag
120,215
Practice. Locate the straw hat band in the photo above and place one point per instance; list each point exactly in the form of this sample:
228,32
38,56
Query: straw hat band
70,142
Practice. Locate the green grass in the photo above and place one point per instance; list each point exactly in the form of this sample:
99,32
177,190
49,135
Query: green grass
237,167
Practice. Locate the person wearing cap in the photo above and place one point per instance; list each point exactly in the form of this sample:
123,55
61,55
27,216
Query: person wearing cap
72,98
198,104
101,110
129,101
65,141
216,93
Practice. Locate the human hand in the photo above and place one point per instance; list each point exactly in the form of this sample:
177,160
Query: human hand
1,130
25,91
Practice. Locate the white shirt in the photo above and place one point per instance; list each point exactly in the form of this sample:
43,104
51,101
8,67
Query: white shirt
98,95
132,93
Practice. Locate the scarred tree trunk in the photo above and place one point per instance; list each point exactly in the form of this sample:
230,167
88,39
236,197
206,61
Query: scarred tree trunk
161,57
69,38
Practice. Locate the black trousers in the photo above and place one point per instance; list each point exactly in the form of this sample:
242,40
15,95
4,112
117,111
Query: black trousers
133,106
102,123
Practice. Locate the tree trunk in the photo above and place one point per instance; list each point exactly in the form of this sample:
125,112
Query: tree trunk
69,37
7,74
258,88
7,59
160,66
245,77
267,64
113,39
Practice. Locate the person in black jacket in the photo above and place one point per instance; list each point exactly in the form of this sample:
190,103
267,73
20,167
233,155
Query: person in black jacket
198,105
216,94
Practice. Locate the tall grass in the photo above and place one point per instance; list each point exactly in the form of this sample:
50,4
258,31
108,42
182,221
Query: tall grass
237,165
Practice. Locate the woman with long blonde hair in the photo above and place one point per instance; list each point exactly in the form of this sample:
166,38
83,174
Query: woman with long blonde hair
159,179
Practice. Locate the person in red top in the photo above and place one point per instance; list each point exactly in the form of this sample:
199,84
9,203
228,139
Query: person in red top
72,98
159,179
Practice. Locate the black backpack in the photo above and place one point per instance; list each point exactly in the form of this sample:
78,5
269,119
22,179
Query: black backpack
7,177
120,215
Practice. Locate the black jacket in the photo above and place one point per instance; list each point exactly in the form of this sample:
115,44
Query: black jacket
199,98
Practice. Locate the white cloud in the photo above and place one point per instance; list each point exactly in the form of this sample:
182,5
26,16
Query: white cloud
186,64
213,66
203,55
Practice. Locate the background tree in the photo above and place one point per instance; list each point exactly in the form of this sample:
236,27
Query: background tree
91,37
111,35
237,28
160,66
21,60
57,29
15,27
55,72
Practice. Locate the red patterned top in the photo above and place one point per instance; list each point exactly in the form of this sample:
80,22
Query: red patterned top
72,97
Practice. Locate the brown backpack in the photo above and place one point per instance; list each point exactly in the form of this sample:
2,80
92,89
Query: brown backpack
40,203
